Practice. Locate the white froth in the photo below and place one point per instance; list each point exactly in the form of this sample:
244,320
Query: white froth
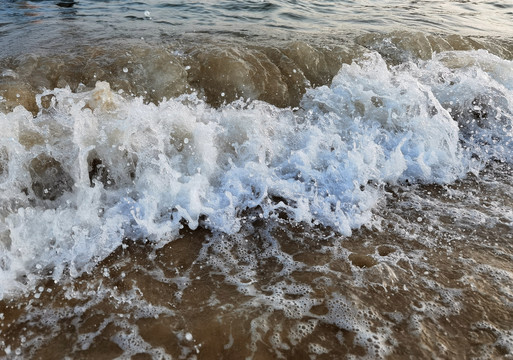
132,343
109,167
301,330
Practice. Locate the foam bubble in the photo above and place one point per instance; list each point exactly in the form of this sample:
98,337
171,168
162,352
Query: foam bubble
301,330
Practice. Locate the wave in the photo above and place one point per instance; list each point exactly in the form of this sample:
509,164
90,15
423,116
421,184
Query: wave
84,168
218,71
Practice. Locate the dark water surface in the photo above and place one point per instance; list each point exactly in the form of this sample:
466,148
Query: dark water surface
47,24
256,179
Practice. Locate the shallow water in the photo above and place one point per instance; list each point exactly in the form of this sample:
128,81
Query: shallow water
267,179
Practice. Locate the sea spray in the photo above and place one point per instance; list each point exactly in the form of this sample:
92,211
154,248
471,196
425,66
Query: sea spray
94,167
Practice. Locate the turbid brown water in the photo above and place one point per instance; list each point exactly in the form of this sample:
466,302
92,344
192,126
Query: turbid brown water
280,290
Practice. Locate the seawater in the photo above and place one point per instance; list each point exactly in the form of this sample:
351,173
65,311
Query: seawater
260,180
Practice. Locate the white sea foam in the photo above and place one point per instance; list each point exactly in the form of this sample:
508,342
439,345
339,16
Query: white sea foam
95,167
